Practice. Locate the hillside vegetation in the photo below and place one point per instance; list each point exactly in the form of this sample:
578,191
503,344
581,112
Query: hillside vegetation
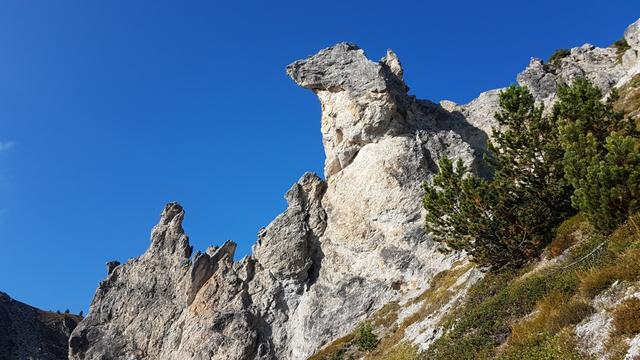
546,293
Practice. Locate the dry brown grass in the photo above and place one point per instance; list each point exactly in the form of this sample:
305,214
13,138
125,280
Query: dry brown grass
625,268
626,317
48,316
629,101
334,349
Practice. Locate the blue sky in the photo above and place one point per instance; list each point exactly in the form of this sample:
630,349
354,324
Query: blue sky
109,109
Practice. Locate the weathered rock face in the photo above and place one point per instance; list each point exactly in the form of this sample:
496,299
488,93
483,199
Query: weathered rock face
164,305
30,333
324,264
344,247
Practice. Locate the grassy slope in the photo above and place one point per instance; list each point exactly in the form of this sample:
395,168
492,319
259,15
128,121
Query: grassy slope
531,314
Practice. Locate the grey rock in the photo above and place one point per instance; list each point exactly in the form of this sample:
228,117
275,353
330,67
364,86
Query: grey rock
163,305
391,60
632,35
631,57
287,245
30,333
600,65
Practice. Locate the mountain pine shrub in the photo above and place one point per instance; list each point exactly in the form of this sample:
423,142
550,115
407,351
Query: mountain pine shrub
506,220
601,157
365,338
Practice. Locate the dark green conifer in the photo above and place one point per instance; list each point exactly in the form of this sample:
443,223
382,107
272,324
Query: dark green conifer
601,158
506,220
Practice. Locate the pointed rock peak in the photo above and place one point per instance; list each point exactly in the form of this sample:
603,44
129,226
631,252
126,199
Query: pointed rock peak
227,249
392,61
310,187
168,236
632,35
173,213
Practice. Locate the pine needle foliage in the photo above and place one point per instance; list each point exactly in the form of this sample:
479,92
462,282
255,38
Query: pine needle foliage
601,157
507,220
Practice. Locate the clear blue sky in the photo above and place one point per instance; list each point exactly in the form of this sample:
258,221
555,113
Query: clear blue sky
109,109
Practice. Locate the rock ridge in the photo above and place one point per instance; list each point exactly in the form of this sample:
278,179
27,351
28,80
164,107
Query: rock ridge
30,333
344,247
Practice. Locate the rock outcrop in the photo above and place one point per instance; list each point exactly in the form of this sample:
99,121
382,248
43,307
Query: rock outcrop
30,333
345,246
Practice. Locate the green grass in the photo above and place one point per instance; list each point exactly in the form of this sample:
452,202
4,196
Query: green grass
552,314
484,323
544,346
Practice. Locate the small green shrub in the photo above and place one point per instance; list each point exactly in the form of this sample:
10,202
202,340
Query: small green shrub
365,338
338,355
558,55
626,317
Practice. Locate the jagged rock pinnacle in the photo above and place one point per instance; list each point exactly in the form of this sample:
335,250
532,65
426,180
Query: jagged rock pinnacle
168,236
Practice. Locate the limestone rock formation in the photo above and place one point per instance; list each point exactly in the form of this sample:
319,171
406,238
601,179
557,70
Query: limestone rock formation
30,333
345,246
